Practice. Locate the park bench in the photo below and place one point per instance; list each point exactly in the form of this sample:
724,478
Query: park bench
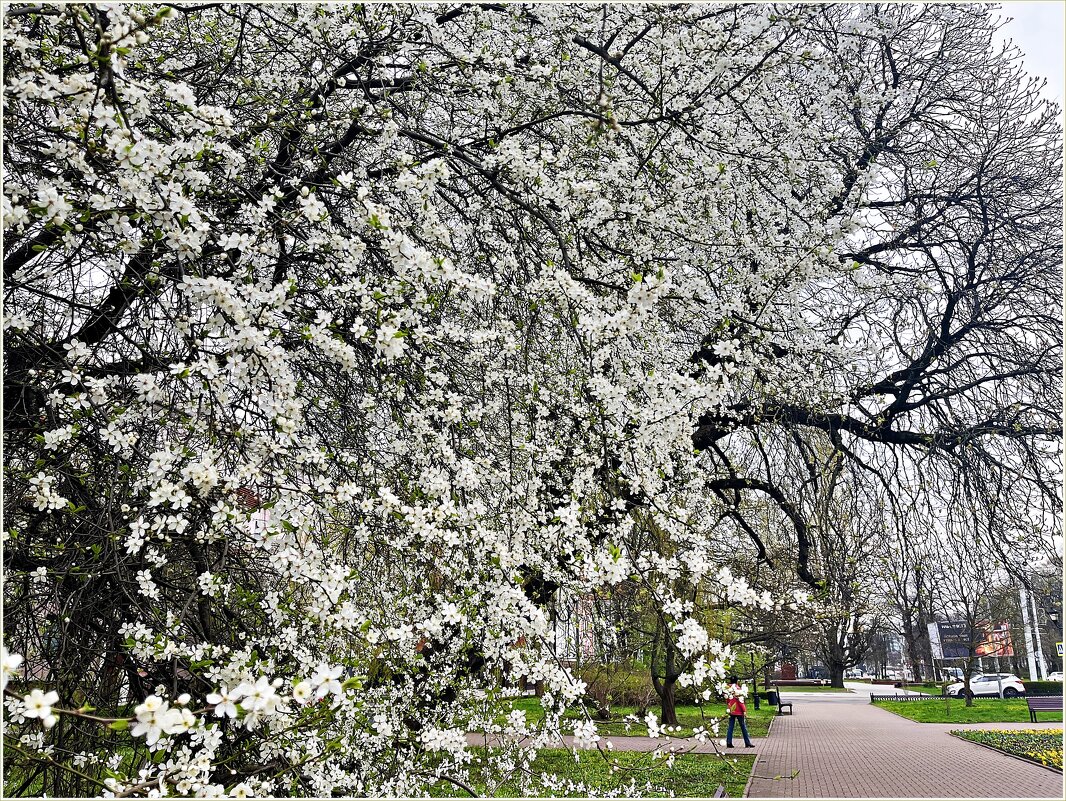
720,792
1043,704
781,703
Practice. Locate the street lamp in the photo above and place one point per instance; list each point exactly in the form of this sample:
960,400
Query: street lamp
754,679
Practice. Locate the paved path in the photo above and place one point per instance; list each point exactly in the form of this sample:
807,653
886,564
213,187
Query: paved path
844,747
866,690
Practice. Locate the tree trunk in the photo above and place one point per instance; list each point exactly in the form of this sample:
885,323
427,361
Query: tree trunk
967,671
926,644
911,644
669,704
836,675
754,684
665,684
835,658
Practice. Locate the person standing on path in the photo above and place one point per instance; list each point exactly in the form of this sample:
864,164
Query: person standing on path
734,701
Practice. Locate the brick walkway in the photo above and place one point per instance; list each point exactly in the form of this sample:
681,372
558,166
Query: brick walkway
844,747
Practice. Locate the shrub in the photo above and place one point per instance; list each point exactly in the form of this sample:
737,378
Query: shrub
622,684
629,684
1043,687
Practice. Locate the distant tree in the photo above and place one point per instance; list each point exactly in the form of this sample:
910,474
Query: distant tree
970,583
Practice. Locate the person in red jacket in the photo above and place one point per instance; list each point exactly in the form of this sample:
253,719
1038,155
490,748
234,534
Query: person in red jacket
734,701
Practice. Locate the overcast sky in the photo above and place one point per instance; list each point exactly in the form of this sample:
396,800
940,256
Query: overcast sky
1038,30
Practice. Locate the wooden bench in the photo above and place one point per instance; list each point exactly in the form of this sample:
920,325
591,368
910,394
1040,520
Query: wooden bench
720,792
1043,703
781,703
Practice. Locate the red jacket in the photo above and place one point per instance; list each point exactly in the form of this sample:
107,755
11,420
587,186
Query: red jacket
736,706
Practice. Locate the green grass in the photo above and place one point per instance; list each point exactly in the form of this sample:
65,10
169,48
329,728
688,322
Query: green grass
689,717
804,689
692,775
1042,745
954,710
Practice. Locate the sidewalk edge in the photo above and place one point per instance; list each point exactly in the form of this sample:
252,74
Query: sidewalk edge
755,764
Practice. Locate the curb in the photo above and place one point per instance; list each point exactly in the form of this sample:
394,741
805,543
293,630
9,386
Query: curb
999,751
755,764
747,784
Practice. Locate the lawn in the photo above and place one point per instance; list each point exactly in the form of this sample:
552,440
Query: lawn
689,717
954,710
805,689
692,775
1041,745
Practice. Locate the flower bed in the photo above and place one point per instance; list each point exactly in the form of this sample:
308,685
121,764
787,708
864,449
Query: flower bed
1039,745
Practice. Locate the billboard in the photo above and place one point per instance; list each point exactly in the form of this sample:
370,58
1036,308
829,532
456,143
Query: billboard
996,641
950,639
953,639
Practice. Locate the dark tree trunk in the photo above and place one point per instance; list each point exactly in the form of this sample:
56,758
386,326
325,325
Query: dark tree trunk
754,684
926,645
967,672
669,703
836,657
910,640
836,675
665,684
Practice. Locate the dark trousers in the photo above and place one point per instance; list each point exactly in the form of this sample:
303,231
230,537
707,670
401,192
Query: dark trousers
743,730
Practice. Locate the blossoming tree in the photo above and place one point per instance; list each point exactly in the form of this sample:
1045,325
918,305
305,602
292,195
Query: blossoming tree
338,339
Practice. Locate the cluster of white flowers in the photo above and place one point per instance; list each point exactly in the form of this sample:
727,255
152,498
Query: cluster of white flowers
53,206
9,666
53,439
326,680
692,638
225,701
585,735
45,497
655,731
452,741
38,704
726,690
147,585
155,718
210,584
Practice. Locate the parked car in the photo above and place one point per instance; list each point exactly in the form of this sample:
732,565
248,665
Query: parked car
898,674
1056,676
988,685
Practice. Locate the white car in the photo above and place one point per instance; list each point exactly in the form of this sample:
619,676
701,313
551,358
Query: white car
1056,676
988,685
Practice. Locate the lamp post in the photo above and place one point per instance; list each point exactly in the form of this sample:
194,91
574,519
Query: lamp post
1039,647
754,679
1030,652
